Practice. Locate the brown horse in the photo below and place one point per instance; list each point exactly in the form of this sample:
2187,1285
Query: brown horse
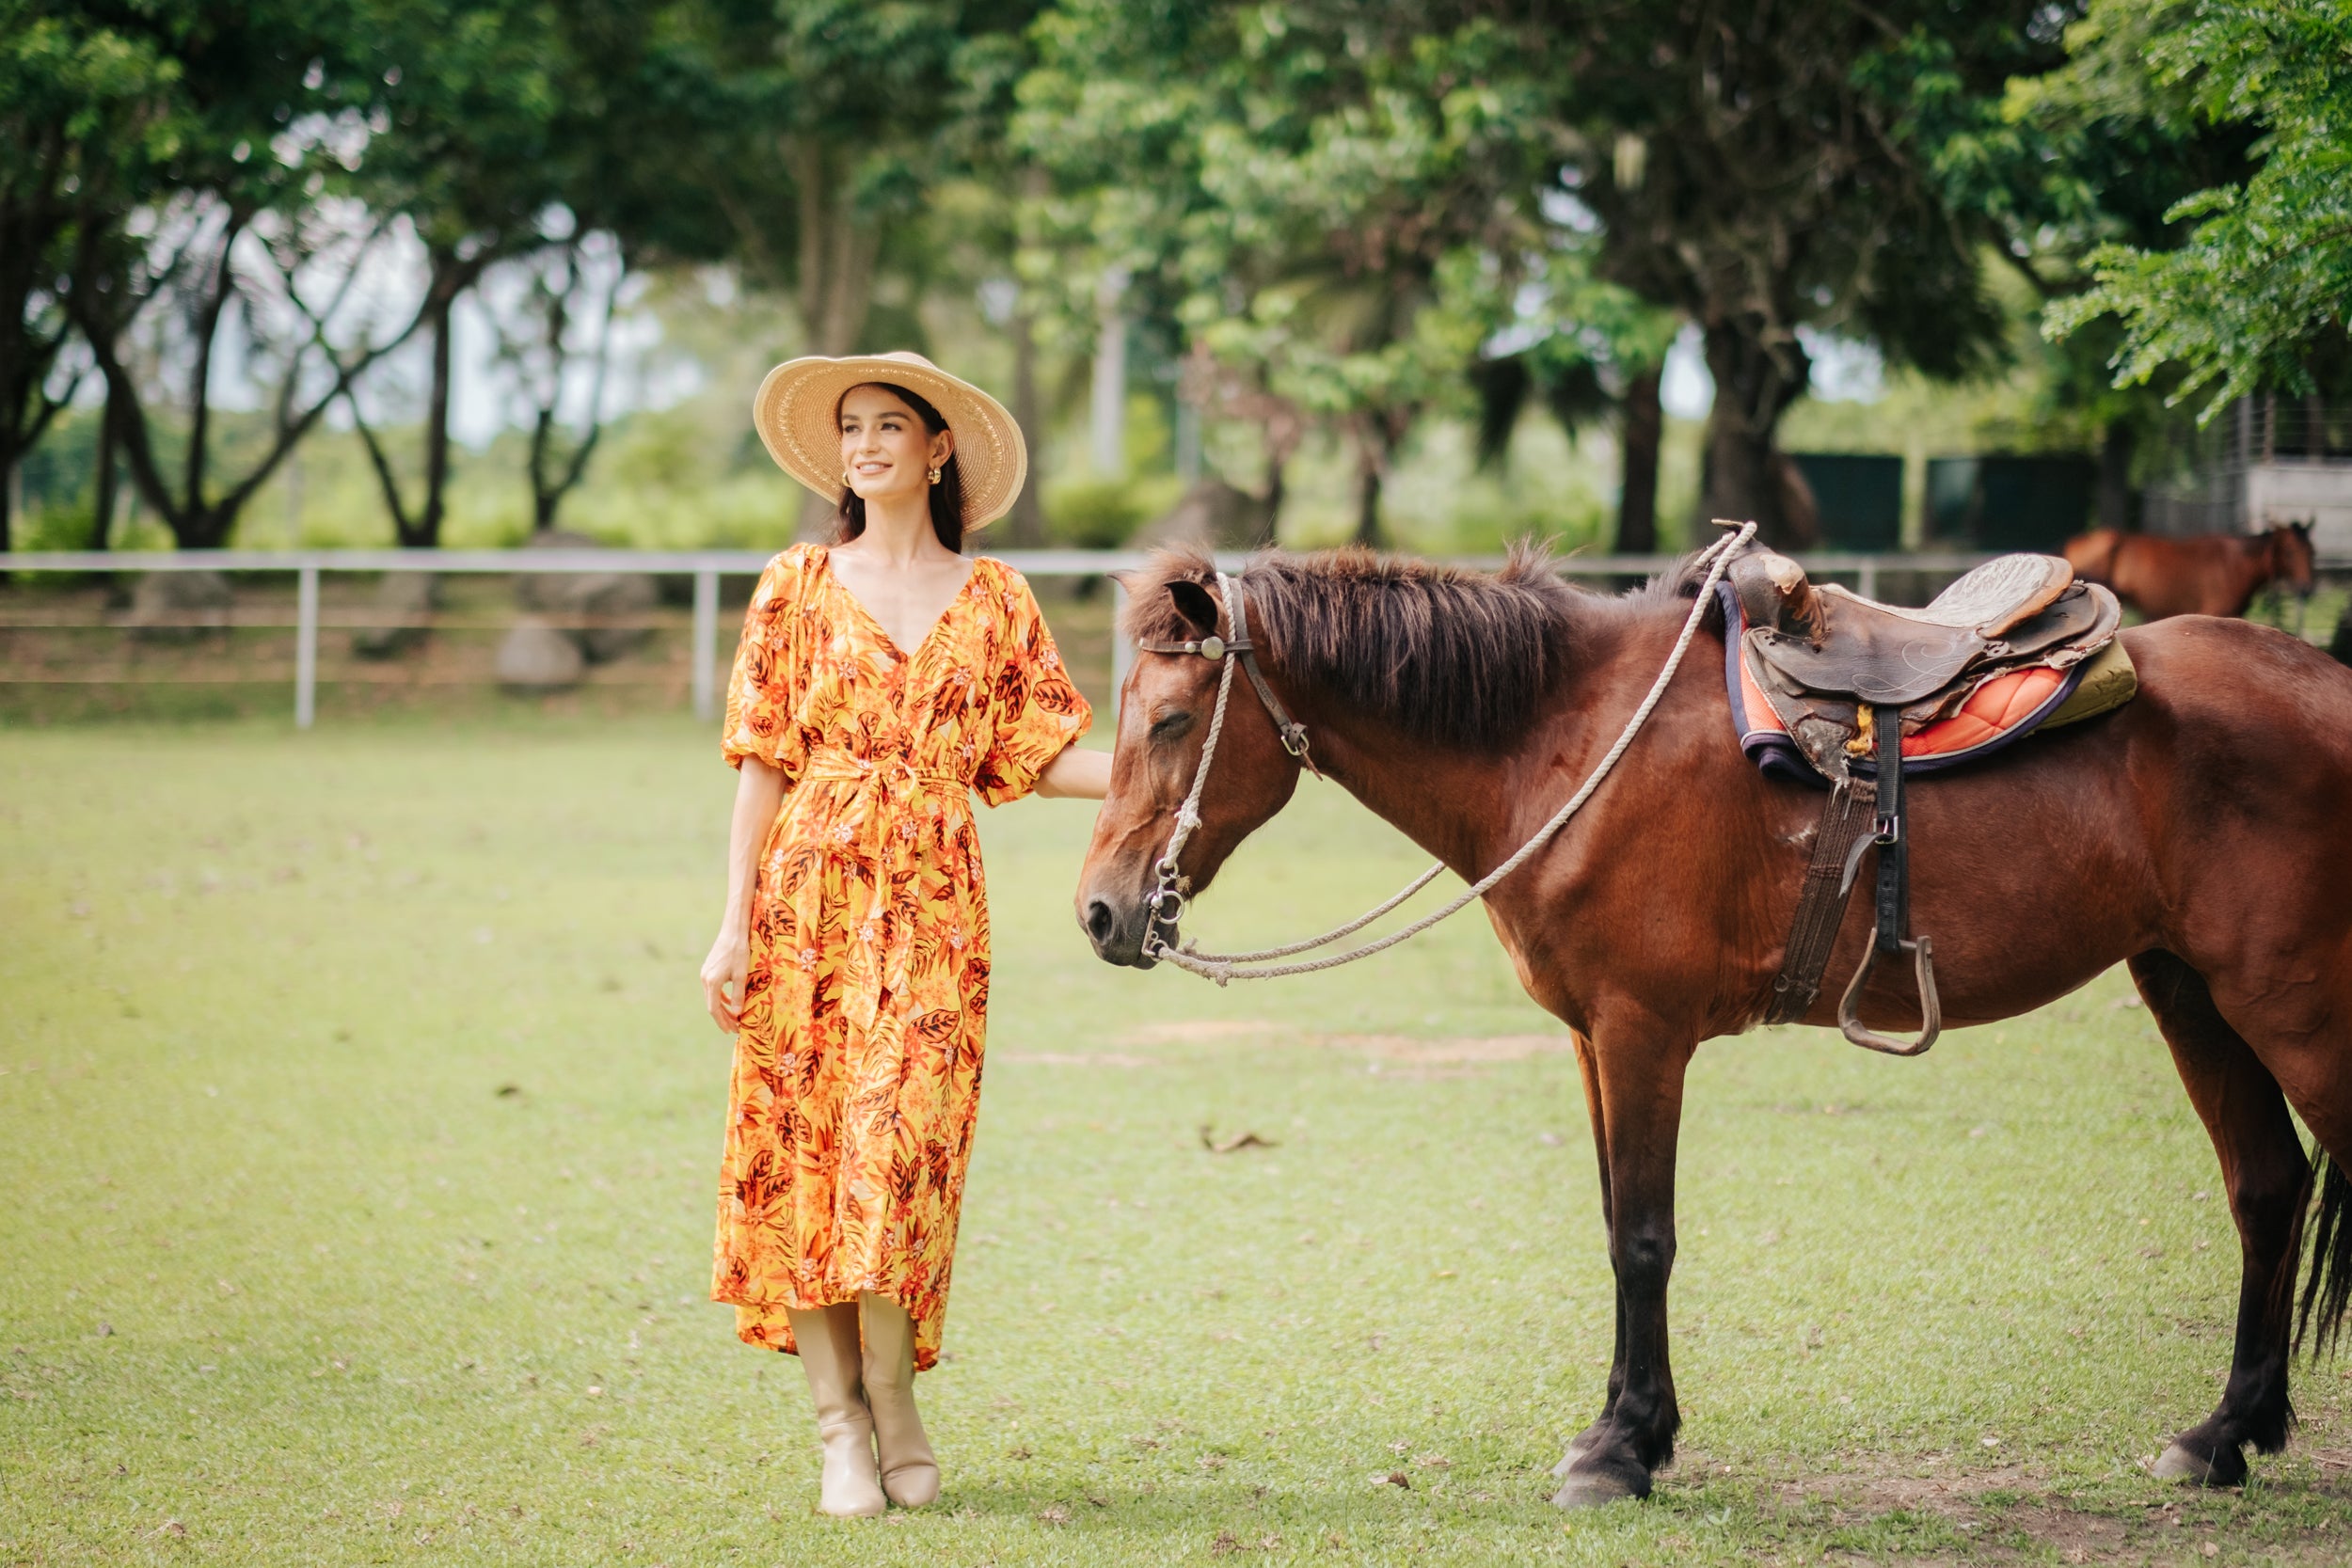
2216,574
2196,834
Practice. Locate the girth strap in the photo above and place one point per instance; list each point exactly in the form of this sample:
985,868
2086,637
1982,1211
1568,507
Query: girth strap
1860,812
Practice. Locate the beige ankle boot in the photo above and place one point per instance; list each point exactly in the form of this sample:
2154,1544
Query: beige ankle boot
828,1343
909,1472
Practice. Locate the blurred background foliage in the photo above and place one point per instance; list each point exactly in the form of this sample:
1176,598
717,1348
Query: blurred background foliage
1422,273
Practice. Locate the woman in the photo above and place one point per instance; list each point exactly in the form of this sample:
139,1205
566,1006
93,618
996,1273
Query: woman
881,680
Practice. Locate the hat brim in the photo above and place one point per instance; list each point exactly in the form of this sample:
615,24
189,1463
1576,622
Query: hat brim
797,413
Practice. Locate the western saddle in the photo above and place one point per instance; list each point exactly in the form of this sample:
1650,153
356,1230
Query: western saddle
1850,677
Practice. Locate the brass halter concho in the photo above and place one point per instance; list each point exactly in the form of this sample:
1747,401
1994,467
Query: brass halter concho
1168,900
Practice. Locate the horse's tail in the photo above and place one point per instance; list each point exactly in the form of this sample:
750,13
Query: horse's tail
2327,1288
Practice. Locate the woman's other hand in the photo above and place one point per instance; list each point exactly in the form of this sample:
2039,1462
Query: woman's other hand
723,973
757,794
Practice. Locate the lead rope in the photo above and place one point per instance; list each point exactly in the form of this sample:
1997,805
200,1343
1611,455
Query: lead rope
1170,900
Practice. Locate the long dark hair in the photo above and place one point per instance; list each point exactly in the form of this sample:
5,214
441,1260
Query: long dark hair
947,496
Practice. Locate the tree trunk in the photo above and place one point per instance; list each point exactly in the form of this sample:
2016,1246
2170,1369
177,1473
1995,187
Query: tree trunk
839,249
1755,381
1367,505
1024,526
1270,506
426,535
2116,509
102,519
1642,427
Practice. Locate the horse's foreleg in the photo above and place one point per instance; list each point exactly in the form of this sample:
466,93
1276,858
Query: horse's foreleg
2269,1181
1640,1095
1589,1066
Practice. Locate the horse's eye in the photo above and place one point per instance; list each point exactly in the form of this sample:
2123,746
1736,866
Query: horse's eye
1169,725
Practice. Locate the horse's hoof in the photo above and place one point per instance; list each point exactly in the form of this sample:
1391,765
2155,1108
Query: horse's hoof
1567,1460
2180,1462
1592,1489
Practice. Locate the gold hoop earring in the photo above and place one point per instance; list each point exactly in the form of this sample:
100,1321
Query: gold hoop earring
935,476
847,482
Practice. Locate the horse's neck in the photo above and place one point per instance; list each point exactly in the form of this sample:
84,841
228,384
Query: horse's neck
1439,799
2256,564
1461,805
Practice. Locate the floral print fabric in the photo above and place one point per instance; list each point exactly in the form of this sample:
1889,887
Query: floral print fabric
857,1069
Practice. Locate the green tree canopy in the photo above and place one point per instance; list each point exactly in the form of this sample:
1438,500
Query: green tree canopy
1338,203
2260,287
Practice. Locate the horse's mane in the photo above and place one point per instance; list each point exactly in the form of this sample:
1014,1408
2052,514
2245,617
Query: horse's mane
1453,657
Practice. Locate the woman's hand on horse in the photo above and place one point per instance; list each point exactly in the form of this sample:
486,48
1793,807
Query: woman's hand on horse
1077,774
723,973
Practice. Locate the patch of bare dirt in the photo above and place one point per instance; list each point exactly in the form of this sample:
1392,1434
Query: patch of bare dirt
1405,1055
1074,1058
1205,1032
2017,1519
1448,1052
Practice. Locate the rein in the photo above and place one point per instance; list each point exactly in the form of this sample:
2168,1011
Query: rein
1173,890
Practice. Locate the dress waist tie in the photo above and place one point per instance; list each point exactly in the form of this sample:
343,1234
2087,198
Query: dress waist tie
847,766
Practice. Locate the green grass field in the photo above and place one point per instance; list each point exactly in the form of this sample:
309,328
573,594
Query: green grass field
357,1141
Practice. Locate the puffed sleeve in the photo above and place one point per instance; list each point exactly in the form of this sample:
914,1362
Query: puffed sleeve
1036,709
771,672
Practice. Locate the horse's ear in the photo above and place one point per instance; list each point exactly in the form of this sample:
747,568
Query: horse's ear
2302,530
1194,603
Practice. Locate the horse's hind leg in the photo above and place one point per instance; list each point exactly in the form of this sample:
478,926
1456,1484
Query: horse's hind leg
2269,1179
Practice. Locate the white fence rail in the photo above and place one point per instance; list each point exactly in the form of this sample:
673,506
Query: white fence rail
706,566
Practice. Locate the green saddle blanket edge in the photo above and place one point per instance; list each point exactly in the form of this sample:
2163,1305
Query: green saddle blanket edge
2108,682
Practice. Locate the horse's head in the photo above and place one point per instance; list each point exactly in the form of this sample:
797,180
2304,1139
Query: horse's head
1164,717
2291,558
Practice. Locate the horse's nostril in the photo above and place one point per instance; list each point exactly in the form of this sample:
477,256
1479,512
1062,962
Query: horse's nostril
1100,920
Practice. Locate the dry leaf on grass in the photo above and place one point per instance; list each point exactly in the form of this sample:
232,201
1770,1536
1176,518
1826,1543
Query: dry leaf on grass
1210,1141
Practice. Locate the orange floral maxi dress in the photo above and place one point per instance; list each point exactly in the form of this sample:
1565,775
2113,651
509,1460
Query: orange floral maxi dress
857,1069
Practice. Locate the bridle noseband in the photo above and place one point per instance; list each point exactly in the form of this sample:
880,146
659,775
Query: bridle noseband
1174,887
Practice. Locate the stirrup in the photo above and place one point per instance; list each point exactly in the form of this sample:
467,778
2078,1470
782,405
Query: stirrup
1931,1013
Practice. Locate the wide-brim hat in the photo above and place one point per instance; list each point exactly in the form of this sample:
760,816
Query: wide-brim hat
798,414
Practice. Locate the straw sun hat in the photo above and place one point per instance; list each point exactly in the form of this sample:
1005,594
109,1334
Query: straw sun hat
798,412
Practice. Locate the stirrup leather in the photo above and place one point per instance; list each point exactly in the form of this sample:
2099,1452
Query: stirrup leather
1890,938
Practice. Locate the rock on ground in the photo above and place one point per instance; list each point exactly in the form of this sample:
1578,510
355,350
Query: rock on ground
583,598
180,606
405,602
536,656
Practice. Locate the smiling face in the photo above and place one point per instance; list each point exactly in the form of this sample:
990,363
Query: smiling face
886,454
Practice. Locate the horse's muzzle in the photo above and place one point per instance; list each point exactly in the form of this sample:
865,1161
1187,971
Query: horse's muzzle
1116,925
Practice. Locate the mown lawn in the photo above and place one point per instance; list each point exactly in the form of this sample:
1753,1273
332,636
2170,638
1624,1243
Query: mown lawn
358,1135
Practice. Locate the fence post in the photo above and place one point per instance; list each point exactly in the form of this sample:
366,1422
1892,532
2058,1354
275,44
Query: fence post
706,640
1122,656
1868,583
306,645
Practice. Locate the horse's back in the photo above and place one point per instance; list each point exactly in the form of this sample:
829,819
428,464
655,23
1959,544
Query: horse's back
2238,690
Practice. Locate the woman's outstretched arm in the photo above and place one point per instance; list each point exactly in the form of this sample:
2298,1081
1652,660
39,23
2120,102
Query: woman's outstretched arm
758,793
1077,774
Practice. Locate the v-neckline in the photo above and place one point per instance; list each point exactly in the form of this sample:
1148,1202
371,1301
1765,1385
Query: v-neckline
906,656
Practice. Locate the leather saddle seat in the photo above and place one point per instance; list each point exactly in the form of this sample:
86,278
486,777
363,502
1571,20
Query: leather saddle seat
1823,657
